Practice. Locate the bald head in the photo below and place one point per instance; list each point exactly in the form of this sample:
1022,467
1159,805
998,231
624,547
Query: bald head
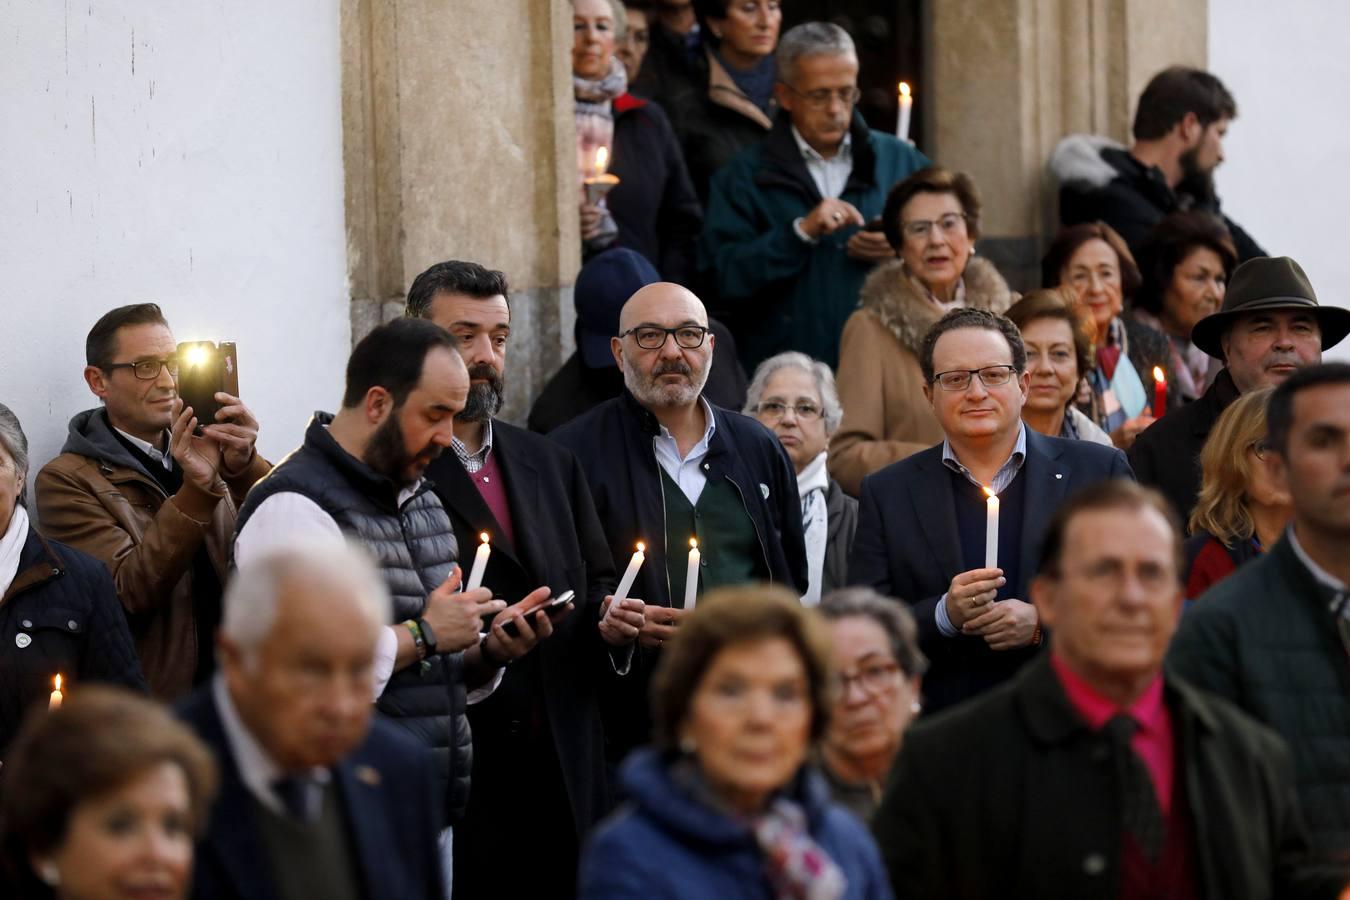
665,350
663,304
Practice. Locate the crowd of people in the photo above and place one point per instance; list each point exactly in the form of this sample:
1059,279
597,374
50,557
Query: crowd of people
961,593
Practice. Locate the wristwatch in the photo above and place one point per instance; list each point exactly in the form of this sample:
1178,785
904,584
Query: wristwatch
428,636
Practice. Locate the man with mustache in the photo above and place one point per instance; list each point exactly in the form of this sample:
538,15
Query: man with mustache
1270,325
528,494
664,465
789,230
1179,127
359,475
1274,637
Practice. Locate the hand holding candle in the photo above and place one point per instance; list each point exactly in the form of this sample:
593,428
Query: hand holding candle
906,104
480,560
691,575
55,700
629,575
991,530
1159,392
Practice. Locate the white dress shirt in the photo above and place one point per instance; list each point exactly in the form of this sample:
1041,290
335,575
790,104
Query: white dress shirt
282,517
688,471
149,449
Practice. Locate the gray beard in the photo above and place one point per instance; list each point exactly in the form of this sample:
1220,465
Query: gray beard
484,402
651,394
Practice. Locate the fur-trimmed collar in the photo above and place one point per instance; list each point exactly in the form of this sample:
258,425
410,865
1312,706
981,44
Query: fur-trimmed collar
899,303
1077,159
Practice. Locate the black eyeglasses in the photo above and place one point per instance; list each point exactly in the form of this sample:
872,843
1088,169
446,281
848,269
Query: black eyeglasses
652,337
147,369
959,379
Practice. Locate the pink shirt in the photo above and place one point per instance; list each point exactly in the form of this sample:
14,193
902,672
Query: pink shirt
1152,740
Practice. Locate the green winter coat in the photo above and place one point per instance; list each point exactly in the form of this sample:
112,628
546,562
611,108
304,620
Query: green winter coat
777,291
1265,639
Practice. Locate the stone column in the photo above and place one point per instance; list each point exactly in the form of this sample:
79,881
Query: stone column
458,144
1010,78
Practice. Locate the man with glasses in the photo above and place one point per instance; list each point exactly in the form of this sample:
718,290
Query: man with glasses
794,397
137,487
784,231
924,523
666,466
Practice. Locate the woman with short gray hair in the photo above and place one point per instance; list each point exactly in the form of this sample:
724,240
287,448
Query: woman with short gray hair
59,604
794,396
879,665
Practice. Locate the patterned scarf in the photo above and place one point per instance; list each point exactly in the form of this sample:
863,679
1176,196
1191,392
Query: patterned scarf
595,129
798,867
1190,364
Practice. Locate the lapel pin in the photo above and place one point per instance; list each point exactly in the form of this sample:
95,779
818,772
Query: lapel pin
368,775
22,640
764,490
1058,475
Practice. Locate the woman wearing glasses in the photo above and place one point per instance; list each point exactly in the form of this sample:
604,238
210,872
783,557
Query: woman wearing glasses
726,804
932,219
880,666
795,397
1241,510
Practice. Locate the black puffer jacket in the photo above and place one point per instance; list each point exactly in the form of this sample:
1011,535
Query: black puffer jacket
414,546
60,616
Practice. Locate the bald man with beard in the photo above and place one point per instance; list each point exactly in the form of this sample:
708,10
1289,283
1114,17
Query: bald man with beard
664,465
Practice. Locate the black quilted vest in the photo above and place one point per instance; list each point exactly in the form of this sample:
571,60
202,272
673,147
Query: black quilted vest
414,546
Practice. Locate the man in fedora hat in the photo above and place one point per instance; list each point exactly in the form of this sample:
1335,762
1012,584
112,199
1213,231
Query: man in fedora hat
1270,326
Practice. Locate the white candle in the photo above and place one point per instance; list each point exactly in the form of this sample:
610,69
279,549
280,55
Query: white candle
691,575
55,701
906,103
601,160
480,560
629,574
991,530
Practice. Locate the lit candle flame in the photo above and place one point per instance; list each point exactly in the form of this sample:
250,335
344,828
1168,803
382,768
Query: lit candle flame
57,682
693,543
989,491
641,547
904,89
601,159
483,536
1158,374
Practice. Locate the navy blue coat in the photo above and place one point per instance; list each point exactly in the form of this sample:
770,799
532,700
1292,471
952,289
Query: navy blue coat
907,546
613,443
666,844
387,791
60,615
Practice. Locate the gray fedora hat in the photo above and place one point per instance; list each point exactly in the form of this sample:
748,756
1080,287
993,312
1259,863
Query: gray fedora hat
1263,283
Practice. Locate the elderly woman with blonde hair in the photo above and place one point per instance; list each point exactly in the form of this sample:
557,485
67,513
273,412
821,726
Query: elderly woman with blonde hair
1242,510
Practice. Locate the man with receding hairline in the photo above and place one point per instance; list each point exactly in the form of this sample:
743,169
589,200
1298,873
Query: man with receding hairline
664,465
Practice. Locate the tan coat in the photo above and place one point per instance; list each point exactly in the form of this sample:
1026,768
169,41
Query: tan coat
886,417
102,502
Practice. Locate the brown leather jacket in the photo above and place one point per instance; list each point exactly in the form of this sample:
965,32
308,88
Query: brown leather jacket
97,498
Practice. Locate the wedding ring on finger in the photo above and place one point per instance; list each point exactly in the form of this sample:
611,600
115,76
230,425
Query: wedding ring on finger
837,216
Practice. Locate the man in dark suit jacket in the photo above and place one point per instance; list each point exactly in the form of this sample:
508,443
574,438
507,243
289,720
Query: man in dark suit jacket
922,521
664,465
539,776
316,799
1093,773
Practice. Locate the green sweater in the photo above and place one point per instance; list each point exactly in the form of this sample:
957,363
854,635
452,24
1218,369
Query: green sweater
1265,639
778,291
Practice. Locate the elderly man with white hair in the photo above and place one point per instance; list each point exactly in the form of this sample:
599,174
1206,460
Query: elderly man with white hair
794,396
318,798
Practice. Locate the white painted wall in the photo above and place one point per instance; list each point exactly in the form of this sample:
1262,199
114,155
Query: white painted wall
187,153
1285,178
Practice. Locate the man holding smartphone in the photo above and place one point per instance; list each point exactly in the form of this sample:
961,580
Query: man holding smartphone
136,486
538,744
